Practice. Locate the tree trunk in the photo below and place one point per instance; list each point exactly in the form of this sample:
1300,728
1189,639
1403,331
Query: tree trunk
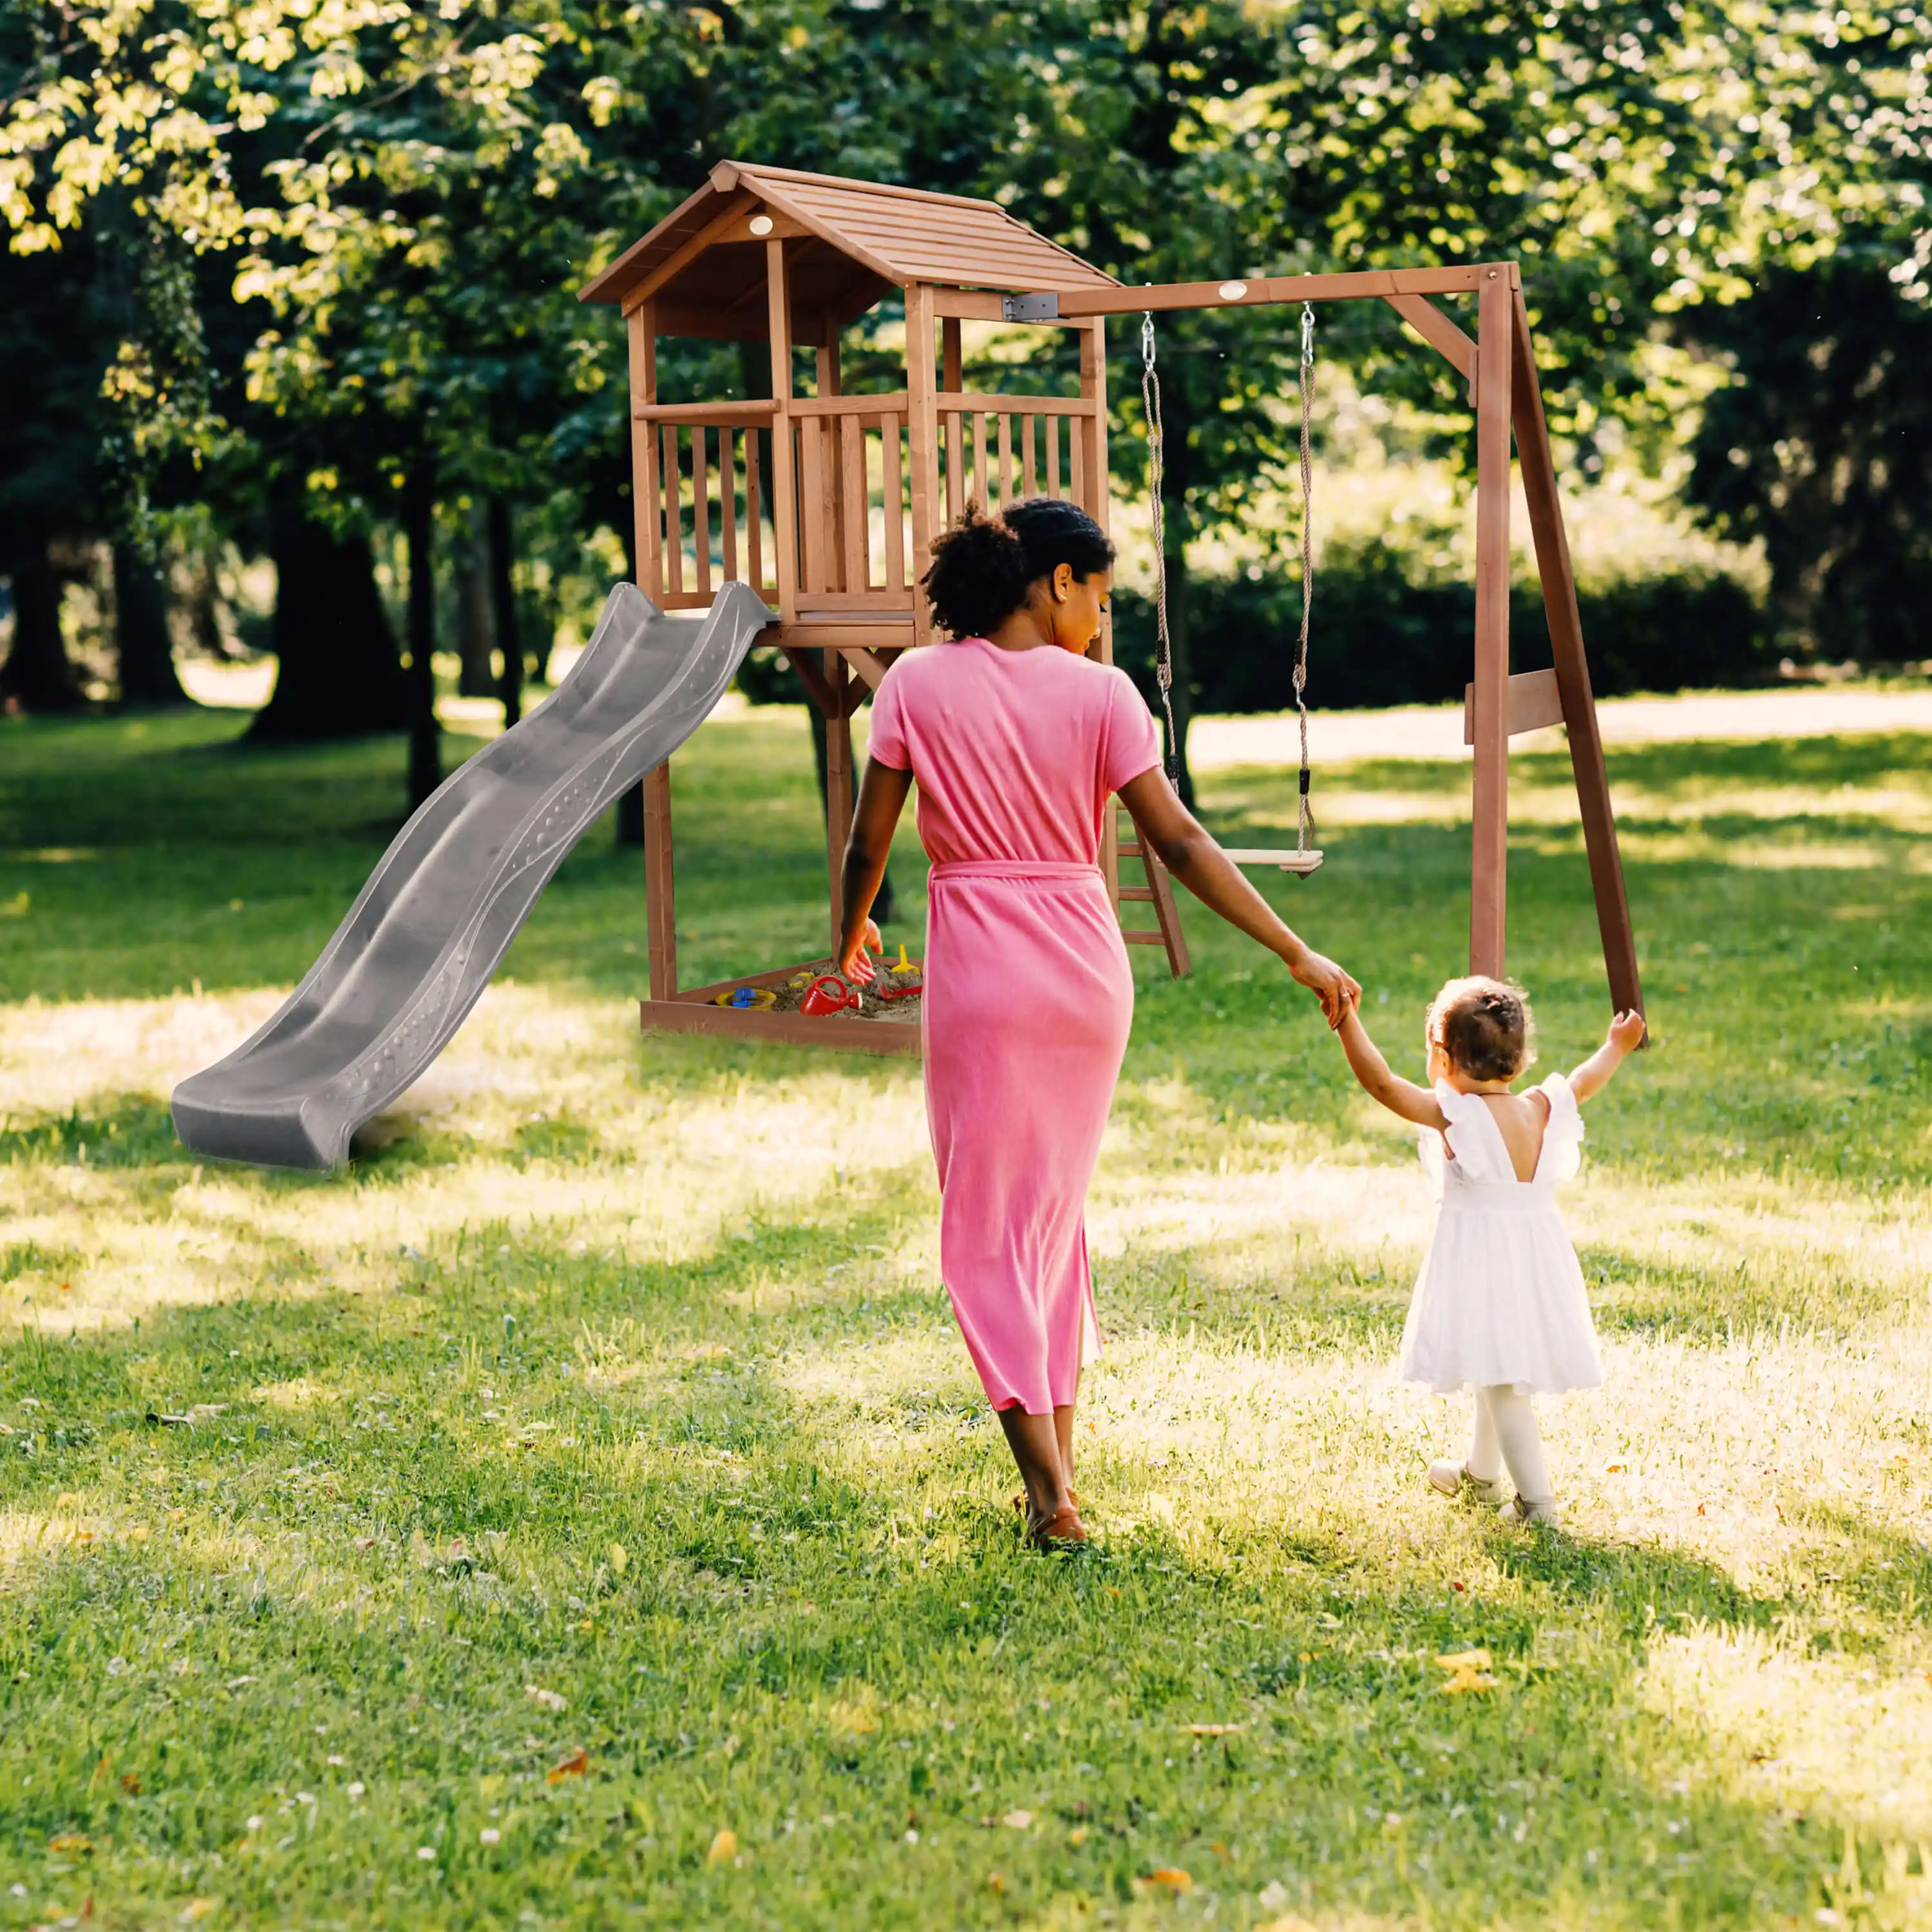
503,605
475,632
145,648
338,674
37,675
419,532
1175,477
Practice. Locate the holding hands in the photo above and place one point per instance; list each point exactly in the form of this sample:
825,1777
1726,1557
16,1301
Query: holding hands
1336,988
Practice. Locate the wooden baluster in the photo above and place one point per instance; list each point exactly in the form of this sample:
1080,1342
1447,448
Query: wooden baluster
852,498
673,517
1076,448
813,511
1006,461
701,507
649,529
955,465
922,445
1029,475
727,496
754,510
785,479
893,489
832,555
1051,426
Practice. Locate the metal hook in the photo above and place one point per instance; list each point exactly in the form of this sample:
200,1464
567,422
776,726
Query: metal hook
1307,333
1147,339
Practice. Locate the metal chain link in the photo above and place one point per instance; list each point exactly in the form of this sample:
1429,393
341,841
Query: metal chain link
1163,657
1306,817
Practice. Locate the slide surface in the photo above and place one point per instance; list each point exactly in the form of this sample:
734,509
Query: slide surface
422,940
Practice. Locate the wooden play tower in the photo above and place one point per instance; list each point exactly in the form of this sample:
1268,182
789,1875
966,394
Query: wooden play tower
826,503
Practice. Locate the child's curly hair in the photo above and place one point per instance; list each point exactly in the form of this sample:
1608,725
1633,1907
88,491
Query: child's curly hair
1484,1026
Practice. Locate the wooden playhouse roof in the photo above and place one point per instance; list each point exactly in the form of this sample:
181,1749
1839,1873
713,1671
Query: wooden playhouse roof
859,239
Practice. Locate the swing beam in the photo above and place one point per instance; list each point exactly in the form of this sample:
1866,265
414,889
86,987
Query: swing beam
1499,364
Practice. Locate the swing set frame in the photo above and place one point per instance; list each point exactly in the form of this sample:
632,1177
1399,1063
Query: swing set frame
1499,364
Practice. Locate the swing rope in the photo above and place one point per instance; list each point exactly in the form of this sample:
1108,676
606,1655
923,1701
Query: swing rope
1163,655
1305,812
1163,662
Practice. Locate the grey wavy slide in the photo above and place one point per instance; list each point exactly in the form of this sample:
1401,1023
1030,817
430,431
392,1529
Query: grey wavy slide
421,942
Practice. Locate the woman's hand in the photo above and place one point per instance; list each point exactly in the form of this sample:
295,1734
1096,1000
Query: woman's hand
855,966
1336,990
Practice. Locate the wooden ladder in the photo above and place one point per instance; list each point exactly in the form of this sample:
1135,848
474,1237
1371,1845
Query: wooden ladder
1158,893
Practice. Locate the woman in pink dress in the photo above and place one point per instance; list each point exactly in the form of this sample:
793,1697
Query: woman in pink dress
1018,739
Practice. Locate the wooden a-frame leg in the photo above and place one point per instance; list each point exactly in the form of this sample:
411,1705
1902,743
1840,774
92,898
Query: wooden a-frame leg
1572,674
1488,869
660,895
838,790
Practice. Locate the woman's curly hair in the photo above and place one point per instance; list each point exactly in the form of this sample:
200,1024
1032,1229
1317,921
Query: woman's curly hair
984,568
1485,1026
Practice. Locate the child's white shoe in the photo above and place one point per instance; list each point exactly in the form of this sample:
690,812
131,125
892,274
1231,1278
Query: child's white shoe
1528,1515
1452,1479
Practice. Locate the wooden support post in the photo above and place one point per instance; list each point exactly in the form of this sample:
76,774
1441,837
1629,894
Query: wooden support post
922,444
1489,873
1572,673
644,485
1091,433
784,483
833,552
660,893
838,789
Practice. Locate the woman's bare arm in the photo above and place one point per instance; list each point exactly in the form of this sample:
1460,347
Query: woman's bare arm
1188,851
882,797
1400,1097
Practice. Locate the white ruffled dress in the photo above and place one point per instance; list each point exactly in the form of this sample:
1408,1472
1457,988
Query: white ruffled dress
1501,1297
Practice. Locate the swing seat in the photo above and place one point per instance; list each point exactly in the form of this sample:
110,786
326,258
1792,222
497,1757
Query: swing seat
1300,862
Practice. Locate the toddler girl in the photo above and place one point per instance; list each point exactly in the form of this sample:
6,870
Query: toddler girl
1499,1306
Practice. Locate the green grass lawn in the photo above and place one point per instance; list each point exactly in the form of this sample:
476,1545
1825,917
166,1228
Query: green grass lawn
583,1513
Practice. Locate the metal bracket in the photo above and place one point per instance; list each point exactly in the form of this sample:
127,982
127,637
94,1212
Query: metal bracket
1030,308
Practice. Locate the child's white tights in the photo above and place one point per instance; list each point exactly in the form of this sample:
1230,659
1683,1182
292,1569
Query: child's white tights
1506,1433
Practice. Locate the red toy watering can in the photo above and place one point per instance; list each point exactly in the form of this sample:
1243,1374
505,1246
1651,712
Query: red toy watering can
826,995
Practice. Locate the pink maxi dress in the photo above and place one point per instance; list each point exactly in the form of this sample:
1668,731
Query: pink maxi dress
1028,995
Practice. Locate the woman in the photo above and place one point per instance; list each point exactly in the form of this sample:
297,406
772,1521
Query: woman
1017,739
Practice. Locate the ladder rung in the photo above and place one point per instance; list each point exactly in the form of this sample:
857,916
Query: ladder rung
1130,848
1138,892
1145,938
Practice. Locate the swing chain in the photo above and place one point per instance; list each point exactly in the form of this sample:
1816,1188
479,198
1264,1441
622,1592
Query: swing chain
1163,660
1306,817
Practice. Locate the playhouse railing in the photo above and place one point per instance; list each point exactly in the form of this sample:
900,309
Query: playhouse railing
706,467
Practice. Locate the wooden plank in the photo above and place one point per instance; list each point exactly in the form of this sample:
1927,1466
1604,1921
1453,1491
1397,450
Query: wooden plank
1017,406
755,535
647,516
892,488
867,665
922,444
881,1037
955,465
889,603
872,631
867,404
813,518
727,497
838,790
785,481
700,505
660,887
1094,390
738,414
673,534
854,509
1572,673
1051,426
1077,304
804,661
1029,469
1006,459
1489,874
952,379
831,531
1535,700
1076,452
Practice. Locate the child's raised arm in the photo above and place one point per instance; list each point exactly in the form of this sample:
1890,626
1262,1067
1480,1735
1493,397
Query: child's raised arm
1400,1097
1625,1035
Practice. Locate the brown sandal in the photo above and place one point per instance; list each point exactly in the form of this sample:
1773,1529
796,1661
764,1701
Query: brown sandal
1061,1530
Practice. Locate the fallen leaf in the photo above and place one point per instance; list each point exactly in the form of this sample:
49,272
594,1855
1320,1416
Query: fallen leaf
551,1700
1469,1670
1017,1821
130,1784
70,1841
619,1558
1078,1836
1166,1878
575,1765
196,1908
995,1883
724,1848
